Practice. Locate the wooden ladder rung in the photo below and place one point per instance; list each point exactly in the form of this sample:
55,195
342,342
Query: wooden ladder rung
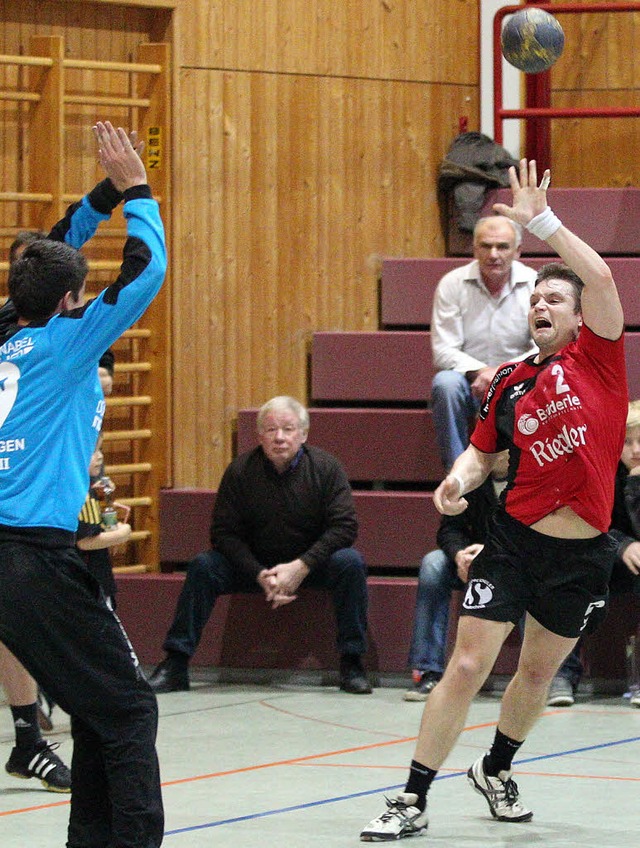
98,65
143,500
26,197
132,367
136,333
140,400
20,95
98,100
41,61
125,435
139,535
128,468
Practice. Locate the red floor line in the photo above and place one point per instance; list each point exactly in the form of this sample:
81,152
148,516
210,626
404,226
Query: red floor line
463,771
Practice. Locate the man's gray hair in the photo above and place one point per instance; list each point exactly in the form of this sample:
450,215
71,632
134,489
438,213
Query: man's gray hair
517,229
284,403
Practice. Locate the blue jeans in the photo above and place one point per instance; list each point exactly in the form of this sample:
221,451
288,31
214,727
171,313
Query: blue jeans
452,406
210,575
571,669
437,579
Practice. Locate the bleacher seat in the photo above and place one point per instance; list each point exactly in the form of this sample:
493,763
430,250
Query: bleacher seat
371,367
606,218
243,633
407,287
396,529
388,445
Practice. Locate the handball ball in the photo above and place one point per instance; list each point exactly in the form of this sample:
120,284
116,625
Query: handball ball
532,40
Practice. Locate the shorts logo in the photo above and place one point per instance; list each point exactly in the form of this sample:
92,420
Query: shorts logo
479,593
527,424
592,606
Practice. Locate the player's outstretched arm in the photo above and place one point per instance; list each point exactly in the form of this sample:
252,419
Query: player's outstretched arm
119,157
601,308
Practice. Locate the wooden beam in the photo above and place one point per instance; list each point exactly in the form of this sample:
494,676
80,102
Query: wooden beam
145,4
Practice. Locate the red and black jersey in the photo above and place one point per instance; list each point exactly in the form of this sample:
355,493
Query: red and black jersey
564,422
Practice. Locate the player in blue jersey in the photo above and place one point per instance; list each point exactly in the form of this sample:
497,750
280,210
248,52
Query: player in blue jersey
53,616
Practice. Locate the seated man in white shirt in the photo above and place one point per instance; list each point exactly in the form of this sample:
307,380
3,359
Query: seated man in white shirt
479,321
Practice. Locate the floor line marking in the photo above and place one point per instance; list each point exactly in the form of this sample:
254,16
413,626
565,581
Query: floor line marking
351,796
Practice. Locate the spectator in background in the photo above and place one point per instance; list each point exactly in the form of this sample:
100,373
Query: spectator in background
625,529
479,320
283,519
95,536
460,539
106,365
22,240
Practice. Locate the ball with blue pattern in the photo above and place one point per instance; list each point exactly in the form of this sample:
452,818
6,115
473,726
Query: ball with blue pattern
532,40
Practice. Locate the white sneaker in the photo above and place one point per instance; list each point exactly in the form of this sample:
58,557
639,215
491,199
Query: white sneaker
634,700
501,793
561,693
401,819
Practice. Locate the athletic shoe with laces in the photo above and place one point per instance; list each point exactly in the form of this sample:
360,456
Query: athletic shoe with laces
501,793
634,700
561,693
422,687
401,819
41,762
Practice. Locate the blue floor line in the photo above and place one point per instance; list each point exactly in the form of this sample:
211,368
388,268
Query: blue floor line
307,805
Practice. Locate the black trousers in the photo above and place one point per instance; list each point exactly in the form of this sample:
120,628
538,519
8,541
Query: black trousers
210,575
54,619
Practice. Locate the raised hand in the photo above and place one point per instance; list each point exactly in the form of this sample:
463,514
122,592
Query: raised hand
119,157
529,198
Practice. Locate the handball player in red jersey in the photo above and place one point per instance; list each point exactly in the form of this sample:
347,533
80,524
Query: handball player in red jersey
561,413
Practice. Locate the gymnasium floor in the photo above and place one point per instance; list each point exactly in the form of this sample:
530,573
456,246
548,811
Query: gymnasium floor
296,765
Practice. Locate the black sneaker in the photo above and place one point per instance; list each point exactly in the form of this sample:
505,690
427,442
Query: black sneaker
421,690
353,678
43,763
170,676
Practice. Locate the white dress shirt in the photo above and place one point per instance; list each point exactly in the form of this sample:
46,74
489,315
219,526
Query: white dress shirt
471,329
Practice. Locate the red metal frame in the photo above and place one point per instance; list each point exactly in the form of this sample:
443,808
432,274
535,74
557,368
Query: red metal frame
538,111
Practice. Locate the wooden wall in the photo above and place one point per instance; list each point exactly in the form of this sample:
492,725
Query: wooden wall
311,133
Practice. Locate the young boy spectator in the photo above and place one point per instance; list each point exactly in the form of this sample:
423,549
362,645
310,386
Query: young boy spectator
94,538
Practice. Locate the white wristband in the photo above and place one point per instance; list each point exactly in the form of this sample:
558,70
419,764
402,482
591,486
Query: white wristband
545,224
460,483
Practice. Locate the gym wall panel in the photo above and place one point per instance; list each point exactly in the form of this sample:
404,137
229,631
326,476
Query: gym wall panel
288,187
409,41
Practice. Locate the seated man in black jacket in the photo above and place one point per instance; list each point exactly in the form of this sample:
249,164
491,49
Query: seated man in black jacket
460,539
283,517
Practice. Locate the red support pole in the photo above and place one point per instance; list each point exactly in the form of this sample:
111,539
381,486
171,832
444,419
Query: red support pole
538,130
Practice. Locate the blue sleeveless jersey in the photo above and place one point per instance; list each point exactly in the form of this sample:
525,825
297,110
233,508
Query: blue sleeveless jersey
51,402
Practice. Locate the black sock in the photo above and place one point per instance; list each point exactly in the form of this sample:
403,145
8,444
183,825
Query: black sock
501,754
420,779
25,722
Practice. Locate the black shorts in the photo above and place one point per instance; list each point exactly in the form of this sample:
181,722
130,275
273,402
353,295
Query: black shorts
563,583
